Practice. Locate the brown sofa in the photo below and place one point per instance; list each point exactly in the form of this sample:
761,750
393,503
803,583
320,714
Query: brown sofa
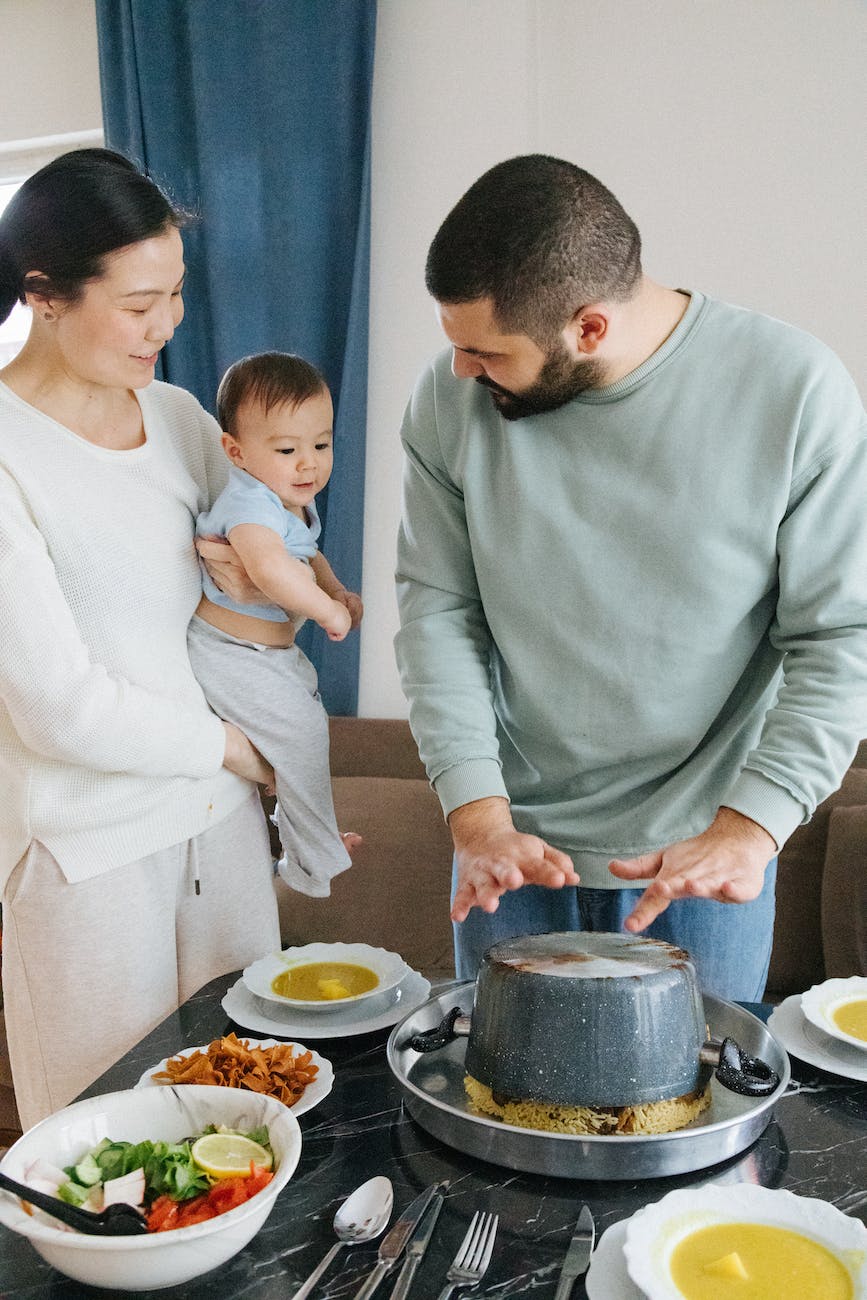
397,893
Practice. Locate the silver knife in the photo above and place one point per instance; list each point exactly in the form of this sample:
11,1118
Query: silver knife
578,1254
417,1245
395,1240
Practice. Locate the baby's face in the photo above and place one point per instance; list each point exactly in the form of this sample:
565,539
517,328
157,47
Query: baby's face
289,449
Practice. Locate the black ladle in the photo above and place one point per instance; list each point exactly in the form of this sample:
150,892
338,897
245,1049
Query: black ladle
114,1221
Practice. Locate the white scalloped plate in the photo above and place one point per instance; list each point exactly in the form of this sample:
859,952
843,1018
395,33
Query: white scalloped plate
821,1001
315,1092
251,1012
804,1040
389,968
653,1232
607,1278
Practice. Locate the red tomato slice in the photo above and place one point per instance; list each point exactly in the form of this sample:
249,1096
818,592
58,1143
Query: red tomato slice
163,1214
195,1211
227,1194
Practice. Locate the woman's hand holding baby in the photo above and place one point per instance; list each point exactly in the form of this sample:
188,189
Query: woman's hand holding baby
242,758
252,546
227,571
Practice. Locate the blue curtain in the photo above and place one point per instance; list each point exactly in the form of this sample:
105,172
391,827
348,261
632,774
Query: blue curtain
255,115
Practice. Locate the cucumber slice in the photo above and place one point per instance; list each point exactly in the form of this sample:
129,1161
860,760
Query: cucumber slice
73,1193
88,1172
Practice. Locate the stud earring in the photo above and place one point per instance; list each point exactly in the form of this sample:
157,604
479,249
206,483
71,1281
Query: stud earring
48,315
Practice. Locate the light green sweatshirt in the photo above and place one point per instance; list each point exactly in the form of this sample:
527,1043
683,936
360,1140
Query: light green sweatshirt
651,602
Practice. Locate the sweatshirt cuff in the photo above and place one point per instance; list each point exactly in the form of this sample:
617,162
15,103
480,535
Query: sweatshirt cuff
477,778
766,802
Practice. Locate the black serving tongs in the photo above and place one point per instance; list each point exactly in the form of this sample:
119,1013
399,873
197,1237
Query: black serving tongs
114,1221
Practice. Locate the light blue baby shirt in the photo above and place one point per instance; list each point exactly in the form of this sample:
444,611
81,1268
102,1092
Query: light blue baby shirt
244,500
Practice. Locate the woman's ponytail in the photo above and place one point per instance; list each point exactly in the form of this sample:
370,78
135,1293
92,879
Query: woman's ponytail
10,277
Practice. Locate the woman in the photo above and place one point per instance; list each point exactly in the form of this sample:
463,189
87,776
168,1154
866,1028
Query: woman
132,845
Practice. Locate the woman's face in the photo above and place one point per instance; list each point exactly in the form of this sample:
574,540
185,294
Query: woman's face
113,334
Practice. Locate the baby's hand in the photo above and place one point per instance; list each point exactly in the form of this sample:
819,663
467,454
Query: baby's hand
338,622
352,603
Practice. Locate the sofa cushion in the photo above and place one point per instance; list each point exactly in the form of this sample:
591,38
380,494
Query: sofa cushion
798,960
844,893
10,1125
396,894
374,747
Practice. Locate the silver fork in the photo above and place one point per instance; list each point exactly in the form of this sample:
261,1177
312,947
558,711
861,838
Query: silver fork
474,1254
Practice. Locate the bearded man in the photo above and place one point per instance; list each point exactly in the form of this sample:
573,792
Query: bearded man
632,580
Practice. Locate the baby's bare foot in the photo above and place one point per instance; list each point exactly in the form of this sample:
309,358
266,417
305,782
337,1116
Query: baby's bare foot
352,842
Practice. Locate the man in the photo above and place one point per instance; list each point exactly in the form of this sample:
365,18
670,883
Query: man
632,577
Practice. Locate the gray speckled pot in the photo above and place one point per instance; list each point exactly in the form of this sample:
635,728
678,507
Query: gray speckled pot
587,1019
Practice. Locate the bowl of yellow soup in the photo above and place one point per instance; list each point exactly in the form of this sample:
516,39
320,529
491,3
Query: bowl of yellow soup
745,1243
839,1008
325,976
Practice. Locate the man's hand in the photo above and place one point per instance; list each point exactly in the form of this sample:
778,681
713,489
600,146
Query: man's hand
227,572
493,857
726,862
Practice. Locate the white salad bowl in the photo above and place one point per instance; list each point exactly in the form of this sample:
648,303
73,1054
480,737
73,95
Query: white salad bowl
821,1001
653,1233
159,1259
388,967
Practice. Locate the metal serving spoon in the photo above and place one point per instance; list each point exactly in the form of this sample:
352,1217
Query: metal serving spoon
114,1221
361,1217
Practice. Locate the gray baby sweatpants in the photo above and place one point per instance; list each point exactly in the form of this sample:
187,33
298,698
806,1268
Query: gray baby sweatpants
271,694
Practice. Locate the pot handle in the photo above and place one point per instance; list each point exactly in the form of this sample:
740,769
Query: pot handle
737,1071
453,1025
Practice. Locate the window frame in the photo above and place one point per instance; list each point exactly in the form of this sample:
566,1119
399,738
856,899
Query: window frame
21,158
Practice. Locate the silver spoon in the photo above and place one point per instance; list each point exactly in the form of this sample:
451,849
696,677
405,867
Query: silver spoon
361,1217
114,1221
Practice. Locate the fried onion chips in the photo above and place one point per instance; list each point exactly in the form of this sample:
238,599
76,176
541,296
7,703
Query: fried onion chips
233,1063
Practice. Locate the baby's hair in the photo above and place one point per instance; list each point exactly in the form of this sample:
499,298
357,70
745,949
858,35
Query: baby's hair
269,378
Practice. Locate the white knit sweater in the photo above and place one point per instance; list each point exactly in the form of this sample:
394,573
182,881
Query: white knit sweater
108,751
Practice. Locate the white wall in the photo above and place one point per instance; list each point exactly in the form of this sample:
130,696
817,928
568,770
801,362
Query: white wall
732,130
49,71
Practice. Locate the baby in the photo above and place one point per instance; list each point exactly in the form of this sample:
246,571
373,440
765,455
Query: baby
277,415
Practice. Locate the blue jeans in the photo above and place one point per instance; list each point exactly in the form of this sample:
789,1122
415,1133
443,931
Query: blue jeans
730,943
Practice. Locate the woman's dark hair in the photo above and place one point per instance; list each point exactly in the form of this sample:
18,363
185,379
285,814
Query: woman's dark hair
541,238
269,378
68,216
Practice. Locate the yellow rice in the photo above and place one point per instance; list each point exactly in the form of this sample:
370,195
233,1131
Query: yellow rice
554,1117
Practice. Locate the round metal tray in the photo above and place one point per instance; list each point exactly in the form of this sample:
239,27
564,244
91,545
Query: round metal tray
433,1087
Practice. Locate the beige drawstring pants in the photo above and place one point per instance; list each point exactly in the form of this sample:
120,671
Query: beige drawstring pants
90,968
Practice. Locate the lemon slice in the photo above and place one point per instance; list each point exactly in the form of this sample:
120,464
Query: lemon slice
228,1155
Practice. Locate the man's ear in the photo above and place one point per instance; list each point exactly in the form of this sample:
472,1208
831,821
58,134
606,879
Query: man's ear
587,329
232,448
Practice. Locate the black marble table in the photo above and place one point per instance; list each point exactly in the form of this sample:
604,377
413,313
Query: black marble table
815,1145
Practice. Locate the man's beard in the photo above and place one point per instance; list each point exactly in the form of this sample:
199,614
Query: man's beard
560,379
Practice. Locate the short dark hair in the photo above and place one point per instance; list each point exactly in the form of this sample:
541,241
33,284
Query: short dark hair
541,238
269,378
68,216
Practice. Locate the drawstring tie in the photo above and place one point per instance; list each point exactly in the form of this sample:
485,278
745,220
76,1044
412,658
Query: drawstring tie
194,859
